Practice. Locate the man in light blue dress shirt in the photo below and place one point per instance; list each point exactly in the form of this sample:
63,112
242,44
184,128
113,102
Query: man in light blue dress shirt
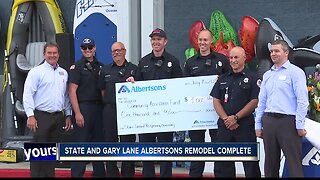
281,112
46,103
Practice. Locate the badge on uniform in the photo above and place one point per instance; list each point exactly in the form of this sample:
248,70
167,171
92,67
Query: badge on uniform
219,63
169,64
246,80
61,73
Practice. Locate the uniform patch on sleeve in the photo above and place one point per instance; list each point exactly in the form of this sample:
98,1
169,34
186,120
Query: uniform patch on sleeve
73,66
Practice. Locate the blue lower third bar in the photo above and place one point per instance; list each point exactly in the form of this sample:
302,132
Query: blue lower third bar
158,151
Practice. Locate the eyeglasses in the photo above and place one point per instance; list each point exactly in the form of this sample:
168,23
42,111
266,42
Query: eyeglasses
118,50
87,47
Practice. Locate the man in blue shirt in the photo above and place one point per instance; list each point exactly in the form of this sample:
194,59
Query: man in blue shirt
282,109
46,103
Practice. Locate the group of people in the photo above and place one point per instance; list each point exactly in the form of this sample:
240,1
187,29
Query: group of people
84,97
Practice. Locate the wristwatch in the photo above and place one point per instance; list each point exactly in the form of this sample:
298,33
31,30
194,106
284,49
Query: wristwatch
236,117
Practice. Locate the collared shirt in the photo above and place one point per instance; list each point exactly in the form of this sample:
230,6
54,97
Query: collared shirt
112,74
165,67
236,90
45,89
284,91
212,64
85,74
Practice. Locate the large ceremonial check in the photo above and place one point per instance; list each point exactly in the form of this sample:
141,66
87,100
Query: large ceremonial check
165,105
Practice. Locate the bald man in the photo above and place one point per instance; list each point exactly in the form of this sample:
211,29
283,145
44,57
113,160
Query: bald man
120,70
235,97
207,62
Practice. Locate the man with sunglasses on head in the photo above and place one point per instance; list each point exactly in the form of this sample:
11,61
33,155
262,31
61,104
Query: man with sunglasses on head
86,101
120,70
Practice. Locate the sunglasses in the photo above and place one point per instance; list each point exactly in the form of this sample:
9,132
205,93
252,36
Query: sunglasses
87,47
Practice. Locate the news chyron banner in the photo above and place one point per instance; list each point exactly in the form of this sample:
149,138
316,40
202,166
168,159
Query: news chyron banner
142,151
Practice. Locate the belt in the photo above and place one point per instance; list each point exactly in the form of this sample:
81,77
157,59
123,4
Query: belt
278,115
50,113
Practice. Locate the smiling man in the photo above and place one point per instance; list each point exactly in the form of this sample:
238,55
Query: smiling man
86,100
205,63
282,109
235,97
46,102
120,70
158,64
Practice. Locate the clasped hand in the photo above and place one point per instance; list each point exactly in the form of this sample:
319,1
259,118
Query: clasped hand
230,123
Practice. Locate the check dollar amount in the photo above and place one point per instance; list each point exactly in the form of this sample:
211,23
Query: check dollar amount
165,105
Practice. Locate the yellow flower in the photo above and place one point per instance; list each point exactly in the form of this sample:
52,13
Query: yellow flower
317,103
314,96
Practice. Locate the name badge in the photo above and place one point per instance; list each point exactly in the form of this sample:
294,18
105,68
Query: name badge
282,77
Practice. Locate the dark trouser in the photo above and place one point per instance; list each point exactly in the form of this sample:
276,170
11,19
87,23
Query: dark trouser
49,130
197,167
128,167
280,133
110,135
91,132
148,169
244,133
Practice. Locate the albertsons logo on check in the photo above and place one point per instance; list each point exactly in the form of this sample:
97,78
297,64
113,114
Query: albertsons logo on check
125,89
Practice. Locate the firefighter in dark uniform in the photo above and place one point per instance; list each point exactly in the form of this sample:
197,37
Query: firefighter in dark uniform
206,62
235,97
86,101
158,64
120,70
